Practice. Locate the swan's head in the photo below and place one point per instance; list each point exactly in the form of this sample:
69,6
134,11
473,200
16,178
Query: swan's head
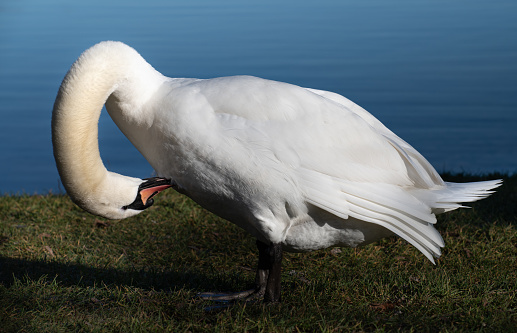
118,197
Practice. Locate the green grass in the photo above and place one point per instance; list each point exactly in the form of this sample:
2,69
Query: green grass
64,270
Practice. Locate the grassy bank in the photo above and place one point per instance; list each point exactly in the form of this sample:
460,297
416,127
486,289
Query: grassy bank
62,269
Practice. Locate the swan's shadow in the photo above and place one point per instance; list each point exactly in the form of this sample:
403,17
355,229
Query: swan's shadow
73,274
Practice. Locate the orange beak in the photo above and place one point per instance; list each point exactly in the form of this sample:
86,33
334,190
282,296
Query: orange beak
150,192
147,190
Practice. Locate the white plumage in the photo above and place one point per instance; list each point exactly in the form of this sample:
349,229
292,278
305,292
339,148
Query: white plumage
302,167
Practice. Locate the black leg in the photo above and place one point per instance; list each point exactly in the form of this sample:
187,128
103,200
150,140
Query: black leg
262,269
267,279
273,290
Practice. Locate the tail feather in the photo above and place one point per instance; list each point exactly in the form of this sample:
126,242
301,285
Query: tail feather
452,195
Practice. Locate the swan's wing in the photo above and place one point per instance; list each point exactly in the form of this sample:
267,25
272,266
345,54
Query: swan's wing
343,159
384,204
422,172
317,131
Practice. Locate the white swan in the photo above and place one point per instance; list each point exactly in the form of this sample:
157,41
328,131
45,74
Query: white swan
299,169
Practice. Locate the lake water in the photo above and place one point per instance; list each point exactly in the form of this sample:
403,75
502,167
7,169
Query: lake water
441,74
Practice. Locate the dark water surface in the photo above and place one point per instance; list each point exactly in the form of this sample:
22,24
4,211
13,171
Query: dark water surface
440,74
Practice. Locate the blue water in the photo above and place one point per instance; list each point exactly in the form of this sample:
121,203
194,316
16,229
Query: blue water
441,74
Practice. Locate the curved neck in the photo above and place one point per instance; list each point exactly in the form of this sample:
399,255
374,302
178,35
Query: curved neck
100,71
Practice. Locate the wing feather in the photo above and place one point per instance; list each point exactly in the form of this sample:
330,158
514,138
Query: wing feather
343,159
382,204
